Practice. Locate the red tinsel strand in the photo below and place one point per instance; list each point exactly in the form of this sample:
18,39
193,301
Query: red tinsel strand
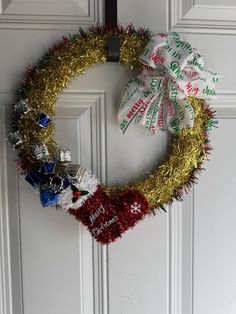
59,45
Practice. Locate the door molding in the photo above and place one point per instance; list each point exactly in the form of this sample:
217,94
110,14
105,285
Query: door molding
188,17
81,103
52,15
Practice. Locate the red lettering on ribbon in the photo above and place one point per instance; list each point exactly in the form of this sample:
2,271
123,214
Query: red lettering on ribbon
191,89
134,108
160,121
191,73
169,108
157,58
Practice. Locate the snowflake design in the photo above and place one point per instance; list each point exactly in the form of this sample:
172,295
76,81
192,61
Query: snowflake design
135,208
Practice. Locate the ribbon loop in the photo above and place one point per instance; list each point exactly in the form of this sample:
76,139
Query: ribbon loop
157,98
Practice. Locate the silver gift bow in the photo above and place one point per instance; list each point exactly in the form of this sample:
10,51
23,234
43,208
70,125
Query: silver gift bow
157,98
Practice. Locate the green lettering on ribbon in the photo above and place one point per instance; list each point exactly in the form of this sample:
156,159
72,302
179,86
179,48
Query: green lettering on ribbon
175,68
145,52
175,125
123,124
197,64
209,92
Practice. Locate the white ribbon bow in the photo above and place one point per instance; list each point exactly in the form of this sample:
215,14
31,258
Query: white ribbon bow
157,97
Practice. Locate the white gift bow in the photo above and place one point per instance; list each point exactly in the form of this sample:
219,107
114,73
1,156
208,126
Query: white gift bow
157,97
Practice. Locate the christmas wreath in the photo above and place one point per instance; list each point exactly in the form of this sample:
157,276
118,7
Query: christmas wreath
169,92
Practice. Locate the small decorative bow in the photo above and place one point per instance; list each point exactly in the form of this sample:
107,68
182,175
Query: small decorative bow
157,98
65,156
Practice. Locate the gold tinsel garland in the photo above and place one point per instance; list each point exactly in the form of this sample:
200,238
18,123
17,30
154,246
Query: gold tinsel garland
71,60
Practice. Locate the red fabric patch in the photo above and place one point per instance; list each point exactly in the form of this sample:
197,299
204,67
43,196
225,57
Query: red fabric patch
108,217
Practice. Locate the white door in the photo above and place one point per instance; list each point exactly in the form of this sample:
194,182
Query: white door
182,262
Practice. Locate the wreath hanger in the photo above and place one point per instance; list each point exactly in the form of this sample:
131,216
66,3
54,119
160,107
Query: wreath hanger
113,43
